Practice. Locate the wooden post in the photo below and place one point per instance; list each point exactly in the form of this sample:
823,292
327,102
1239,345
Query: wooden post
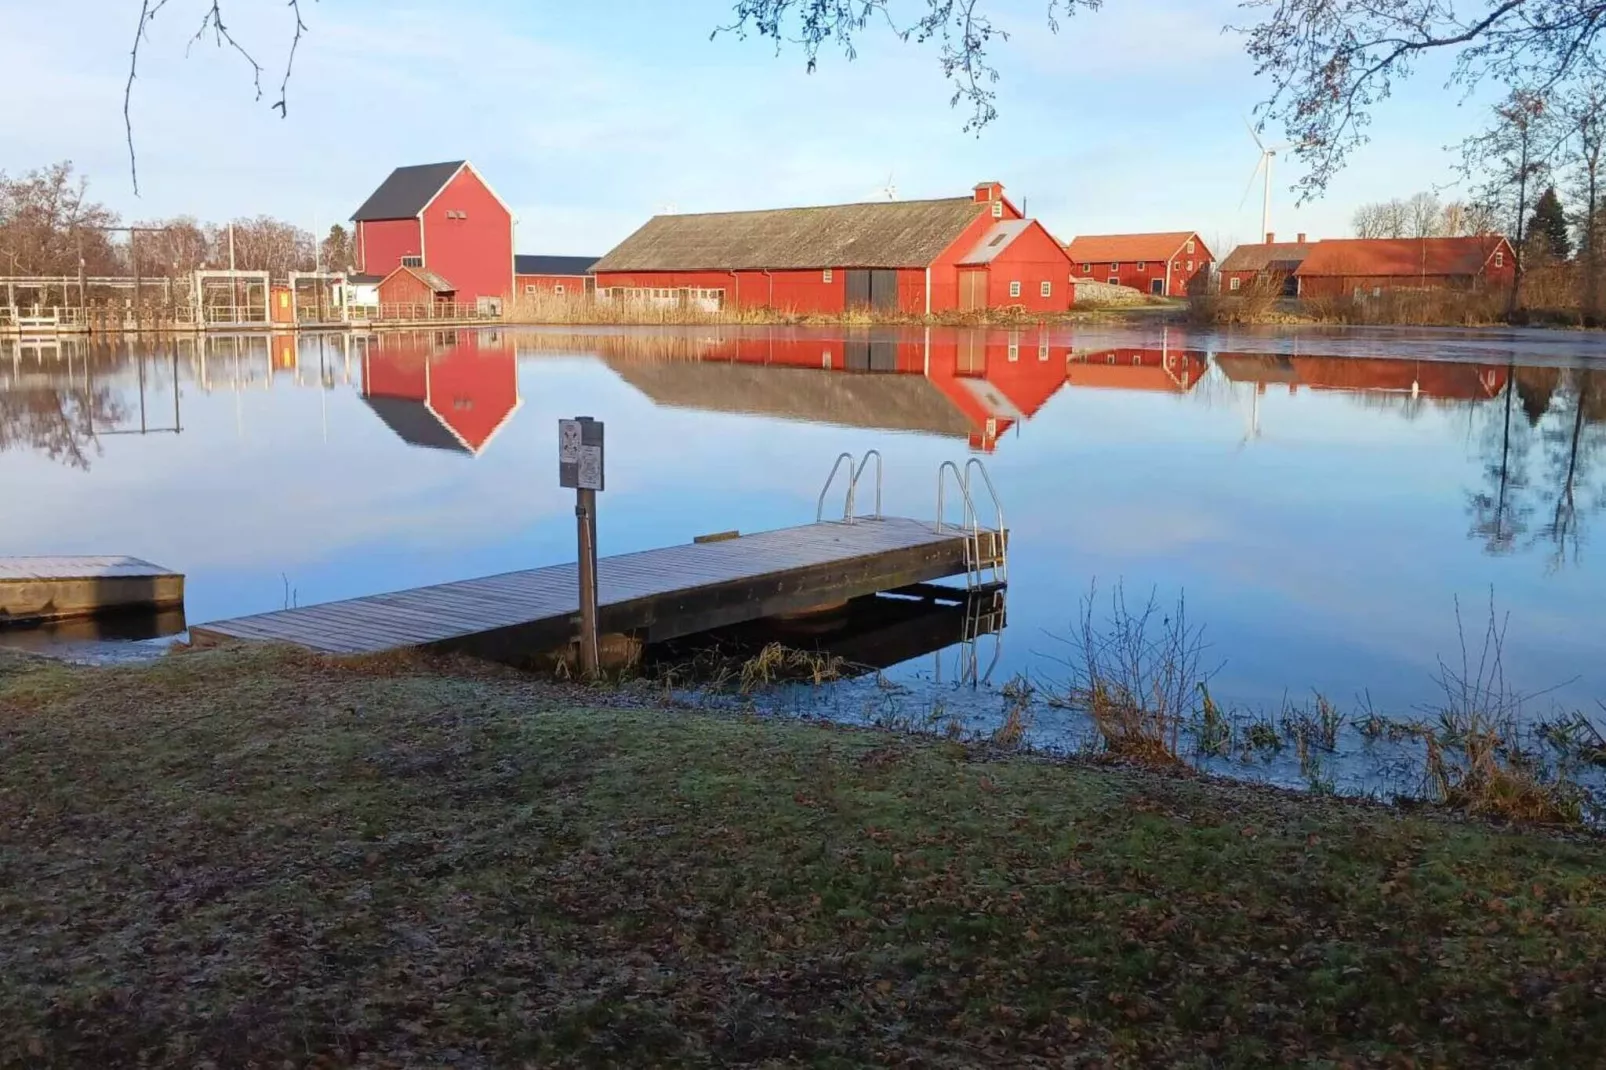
580,467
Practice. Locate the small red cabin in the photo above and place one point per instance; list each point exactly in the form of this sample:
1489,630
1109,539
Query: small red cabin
560,276
1271,259
1170,264
445,219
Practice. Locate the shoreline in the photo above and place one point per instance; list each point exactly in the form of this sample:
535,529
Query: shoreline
447,861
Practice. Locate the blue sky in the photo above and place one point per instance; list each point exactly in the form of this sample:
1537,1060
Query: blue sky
589,118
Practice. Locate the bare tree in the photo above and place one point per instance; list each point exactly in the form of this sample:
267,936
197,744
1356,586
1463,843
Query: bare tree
264,244
1424,216
172,248
1507,160
49,226
1583,112
1330,62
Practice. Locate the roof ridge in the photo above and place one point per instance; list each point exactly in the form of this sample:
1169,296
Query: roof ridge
820,207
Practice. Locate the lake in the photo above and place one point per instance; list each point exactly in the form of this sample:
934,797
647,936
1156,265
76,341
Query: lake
1322,498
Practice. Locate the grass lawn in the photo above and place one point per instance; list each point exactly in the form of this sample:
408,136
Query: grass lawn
261,858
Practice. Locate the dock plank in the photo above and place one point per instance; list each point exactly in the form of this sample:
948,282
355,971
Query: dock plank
660,593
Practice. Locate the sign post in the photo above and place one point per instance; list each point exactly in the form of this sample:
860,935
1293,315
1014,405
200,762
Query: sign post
580,468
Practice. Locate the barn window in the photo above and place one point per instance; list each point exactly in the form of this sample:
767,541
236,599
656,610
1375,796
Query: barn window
1042,349
1190,265
1499,258
1190,245
1048,288
998,209
1087,269
1143,265
825,276
1000,240
1114,268
558,289
529,287
1014,288
412,261
1014,351
1233,285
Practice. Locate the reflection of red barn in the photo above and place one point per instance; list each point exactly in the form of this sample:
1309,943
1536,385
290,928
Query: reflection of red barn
1443,380
1156,368
455,393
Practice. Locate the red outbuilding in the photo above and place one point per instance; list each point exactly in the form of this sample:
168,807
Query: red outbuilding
416,288
894,256
1172,264
444,219
1366,267
1257,261
561,276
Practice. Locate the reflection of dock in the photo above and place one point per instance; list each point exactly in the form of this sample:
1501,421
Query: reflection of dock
656,594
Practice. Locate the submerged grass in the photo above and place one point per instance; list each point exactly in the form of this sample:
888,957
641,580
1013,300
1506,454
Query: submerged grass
260,858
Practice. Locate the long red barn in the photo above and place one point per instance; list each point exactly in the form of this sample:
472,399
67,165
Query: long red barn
1169,264
912,257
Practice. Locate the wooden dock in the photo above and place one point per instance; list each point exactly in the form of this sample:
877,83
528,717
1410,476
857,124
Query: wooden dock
654,595
38,589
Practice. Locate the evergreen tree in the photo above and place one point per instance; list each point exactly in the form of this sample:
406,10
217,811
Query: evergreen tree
1549,225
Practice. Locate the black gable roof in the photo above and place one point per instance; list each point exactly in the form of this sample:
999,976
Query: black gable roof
553,265
404,194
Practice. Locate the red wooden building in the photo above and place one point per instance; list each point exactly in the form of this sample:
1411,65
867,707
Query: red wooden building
443,390
1171,264
1441,380
444,219
1254,261
1367,267
562,276
411,286
899,256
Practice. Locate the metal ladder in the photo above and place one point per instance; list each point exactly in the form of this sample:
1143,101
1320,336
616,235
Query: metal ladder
986,549
855,473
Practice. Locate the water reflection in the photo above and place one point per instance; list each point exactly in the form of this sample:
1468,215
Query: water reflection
1323,498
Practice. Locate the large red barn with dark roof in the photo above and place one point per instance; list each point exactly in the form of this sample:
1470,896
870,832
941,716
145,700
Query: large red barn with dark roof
1366,267
912,257
442,218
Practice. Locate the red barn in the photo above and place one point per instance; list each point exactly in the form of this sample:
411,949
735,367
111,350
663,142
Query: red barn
563,276
1269,259
454,396
444,219
415,287
1165,265
894,256
1366,267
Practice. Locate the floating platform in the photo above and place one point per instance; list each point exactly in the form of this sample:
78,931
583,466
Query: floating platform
35,590
654,595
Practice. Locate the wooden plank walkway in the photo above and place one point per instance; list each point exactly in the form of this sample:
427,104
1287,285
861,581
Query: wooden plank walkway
34,589
656,594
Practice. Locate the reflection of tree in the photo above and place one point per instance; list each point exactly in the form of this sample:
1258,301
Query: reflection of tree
56,421
1571,443
1499,514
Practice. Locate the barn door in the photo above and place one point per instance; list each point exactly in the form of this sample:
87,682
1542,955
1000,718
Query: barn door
856,351
884,290
972,289
858,288
884,355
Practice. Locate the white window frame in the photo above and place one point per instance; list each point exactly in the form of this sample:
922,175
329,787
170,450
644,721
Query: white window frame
529,289
1143,265
1014,288
1190,265
407,261
1499,258
1087,270
1014,352
558,289
1042,349
1115,267
1233,283
998,209
825,276
1191,248
1046,289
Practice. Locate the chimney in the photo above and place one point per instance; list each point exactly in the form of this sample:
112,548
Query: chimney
989,191
1302,238
1271,237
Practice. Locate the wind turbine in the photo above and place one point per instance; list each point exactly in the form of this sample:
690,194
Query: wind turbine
889,191
1267,154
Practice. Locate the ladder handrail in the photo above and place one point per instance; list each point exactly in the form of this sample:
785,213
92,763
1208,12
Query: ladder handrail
853,485
964,491
992,491
819,508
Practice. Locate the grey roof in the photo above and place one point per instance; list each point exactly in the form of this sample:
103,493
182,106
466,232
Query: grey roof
553,265
436,283
1259,256
365,280
404,194
996,240
877,234
415,424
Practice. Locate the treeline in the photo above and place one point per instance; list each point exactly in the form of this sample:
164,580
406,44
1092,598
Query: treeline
49,226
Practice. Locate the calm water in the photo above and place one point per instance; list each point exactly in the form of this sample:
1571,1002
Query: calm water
1322,498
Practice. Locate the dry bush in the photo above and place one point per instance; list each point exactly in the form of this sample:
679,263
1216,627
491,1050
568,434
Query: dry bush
1474,758
1138,675
546,308
1256,303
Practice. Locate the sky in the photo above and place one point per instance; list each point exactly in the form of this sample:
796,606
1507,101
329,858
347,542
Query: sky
589,118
